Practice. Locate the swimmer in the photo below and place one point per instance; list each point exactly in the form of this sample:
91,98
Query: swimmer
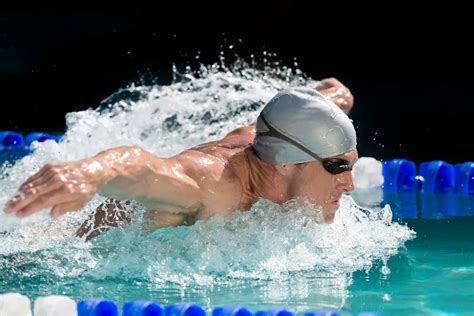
303,145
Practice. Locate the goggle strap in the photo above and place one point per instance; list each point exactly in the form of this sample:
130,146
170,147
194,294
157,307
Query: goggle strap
273,132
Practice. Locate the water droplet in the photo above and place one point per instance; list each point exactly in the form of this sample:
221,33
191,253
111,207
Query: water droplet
385,270
387,297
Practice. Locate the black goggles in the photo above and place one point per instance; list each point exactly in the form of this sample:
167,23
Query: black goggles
331,165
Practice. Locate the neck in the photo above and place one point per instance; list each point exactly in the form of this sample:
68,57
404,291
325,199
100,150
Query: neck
263,180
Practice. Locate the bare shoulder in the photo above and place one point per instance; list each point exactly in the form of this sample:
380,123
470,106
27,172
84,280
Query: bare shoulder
220,187
246,131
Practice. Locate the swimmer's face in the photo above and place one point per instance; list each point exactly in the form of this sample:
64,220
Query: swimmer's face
323,188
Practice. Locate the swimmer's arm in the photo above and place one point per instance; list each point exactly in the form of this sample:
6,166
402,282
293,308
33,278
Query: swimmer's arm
127,172
337,92
139,175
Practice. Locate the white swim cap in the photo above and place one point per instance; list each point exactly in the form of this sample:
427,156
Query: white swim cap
301,125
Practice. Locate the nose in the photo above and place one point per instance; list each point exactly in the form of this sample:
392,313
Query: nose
345,181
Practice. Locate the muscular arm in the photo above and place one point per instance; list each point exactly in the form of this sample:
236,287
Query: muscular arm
123,172
139,175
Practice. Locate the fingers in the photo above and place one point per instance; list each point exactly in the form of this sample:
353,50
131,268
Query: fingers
32,194
47,171
30,188
60,186
37,181
44,201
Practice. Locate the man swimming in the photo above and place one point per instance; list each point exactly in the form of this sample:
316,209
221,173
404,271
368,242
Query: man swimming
303,145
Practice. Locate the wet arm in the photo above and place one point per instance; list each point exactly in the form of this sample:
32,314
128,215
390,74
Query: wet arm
127,172
137,174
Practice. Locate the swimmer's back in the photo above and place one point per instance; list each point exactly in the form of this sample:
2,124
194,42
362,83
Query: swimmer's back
233,143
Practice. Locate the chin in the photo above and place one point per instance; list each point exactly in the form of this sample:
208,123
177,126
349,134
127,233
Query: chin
330,212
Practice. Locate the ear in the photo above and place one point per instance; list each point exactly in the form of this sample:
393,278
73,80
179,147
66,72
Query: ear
302,166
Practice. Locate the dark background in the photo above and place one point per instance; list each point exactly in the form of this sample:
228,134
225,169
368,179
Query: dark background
409,69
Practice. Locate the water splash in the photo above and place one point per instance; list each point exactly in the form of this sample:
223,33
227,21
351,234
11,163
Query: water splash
270,243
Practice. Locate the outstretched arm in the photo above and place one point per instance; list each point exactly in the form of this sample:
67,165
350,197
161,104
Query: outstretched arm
126,172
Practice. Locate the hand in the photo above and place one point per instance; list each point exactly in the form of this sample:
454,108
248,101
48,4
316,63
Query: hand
337,92
62,186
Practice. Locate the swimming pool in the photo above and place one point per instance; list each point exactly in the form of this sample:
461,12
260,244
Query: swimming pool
270,256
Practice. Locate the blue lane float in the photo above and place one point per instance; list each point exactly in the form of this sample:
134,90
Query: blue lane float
399,175
437,190
40,137
10,139
464,178
142,308
434,177
185,310
14,146
438,177
231,310
275,312
97,307
323,313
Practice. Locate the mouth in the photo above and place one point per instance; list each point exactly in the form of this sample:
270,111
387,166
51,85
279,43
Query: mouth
336,200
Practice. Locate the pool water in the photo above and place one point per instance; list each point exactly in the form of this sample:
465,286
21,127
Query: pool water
434,275
273,255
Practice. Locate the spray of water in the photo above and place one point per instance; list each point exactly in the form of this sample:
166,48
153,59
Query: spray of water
269,242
